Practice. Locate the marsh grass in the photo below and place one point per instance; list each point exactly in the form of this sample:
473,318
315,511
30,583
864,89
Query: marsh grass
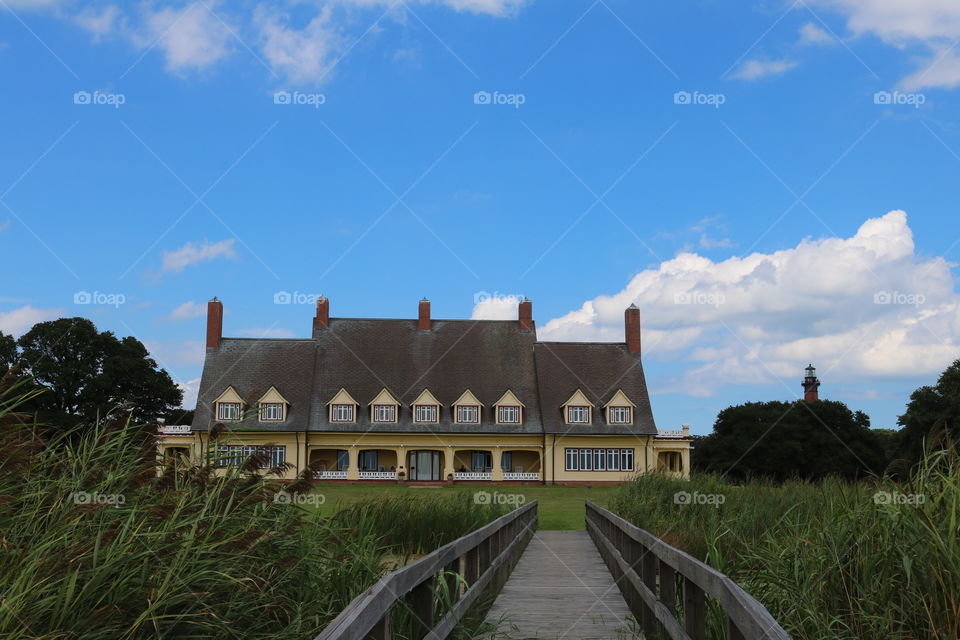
833,559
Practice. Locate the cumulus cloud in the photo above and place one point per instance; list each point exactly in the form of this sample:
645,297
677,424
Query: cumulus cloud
191,389
757,68
99,22
19,321
190,254
867,306
187,311
302,55
812,34
192,37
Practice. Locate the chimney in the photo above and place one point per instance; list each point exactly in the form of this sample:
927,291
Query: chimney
322,319
214,323
631,321
424,321
525,314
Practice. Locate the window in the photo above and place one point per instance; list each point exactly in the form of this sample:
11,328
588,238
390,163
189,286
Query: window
619,415
384,413
341,412
343,460
228,411
481,460
598,459
271,411
468,414
506,461
578,414
235,455
367,460
508,414
425,413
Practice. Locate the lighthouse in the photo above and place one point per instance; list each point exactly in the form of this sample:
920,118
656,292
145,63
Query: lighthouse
810,384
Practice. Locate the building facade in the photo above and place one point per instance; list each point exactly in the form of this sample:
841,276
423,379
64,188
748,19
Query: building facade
429,400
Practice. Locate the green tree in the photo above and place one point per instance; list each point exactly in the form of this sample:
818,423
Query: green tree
85,372
781,440
932,416
8,352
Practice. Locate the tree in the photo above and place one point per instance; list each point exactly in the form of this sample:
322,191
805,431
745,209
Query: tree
780,440
932,416
8,352
85,372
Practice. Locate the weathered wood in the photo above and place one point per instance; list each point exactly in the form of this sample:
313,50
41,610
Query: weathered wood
381,630
421,606
694,610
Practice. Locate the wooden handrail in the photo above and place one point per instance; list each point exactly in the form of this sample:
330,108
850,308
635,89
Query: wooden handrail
481,560
646,569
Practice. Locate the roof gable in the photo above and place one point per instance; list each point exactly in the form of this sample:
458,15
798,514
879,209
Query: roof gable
577,400
508,398
619,399
272,396
229,395
384,397
343,397
426,397
467,397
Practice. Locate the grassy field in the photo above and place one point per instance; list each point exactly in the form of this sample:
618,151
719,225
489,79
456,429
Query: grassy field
561,508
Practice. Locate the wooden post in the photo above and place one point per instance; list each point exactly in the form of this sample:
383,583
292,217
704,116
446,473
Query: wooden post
451,573
668,588
381,630
694,610
732,632
648,572
421,606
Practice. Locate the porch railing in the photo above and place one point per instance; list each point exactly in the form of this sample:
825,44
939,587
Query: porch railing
648,572
473,475
519,475
330,475
481,561
378,475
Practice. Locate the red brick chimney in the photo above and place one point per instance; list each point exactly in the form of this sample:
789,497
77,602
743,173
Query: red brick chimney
424,321
525,315
631,321
214,323
322,319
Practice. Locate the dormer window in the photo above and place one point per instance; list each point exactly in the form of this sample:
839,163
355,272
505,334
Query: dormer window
578,409
619,409
272,406
229,406
509,409
426,408
466,410
383,408
342,407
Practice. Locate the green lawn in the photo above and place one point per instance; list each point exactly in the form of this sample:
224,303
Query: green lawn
560,507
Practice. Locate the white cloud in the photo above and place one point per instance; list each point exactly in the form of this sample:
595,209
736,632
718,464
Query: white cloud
190,254
5,224
302,55
866,306
271,332
498,8
19,321
193,37
812,34
190,390
99,22
757,68
187,311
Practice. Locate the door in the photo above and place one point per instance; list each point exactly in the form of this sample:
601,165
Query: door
424,465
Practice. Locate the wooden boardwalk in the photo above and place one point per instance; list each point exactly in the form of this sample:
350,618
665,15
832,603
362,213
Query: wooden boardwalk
561,588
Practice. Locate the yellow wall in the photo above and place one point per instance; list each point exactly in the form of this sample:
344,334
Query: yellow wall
557,444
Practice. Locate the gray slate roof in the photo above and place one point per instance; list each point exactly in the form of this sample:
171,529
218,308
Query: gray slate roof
364,356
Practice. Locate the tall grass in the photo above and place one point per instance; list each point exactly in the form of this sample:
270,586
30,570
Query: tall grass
95,544
829,559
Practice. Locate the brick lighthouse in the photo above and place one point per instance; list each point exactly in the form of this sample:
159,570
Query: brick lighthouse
810,385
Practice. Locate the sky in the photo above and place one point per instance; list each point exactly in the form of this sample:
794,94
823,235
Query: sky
773,183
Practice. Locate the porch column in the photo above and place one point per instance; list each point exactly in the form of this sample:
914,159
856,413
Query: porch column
448,468
650,457
685,460
353,470
497,455
401,454
301,452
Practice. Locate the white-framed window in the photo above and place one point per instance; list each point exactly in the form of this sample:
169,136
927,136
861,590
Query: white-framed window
228,411
626,459
572,461
508,414
234,455
425,413
598,459
341,412
620,415
271,411
468,414
578,414
586,459
613,460
384,413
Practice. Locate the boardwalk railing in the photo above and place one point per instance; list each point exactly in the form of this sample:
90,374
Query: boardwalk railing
477,563
649,571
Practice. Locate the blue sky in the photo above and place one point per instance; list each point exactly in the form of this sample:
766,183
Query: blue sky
773,183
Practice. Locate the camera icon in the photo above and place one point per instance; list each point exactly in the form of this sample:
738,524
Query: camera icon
882,97
682,298
681,497
481,97
281,97
81,97
81,497
681,97
482,497
282,497
82,297
882,297
282,297
882,497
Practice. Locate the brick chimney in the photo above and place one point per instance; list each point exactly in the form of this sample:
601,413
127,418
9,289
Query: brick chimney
525,315
631,322
424,319
214,323
322,319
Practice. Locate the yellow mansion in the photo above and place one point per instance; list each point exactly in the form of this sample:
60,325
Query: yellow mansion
430,400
